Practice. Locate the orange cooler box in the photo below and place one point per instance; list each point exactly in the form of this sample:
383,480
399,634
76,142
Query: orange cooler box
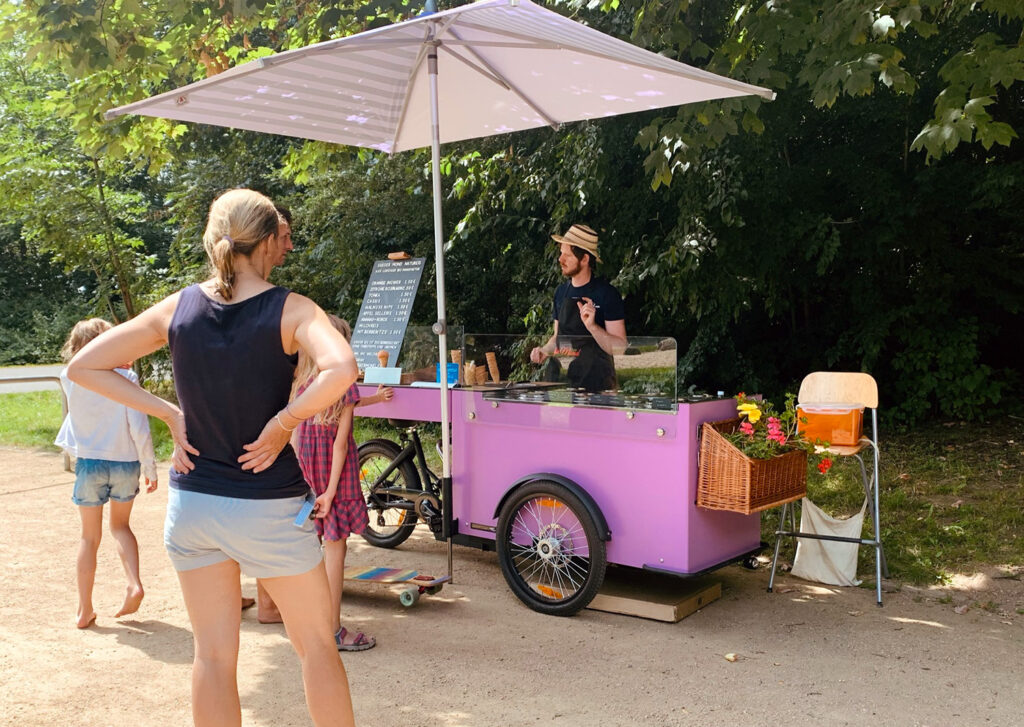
838,424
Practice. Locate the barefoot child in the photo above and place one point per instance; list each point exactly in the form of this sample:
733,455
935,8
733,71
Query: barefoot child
108,441
330,462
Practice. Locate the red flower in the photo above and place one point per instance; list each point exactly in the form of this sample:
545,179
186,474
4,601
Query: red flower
824,465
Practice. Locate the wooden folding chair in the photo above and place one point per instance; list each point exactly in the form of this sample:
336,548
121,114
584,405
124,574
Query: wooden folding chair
843,388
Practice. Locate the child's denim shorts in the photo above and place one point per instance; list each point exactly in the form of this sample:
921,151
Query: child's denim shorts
260,535
99,480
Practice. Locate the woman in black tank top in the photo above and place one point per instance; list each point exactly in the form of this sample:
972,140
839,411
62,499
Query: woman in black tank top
234,339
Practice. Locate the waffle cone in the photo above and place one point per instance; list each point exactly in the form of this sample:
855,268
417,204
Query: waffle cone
492,366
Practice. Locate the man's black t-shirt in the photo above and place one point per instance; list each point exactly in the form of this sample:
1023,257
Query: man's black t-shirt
592,369
605,297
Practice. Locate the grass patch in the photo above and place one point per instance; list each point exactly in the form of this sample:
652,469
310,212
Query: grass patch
951,492
951,495
31,420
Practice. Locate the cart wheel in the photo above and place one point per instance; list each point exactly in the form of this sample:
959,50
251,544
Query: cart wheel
433,590
549,549
751,562
409,596
388,526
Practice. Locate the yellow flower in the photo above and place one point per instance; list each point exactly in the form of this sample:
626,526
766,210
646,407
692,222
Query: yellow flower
750,411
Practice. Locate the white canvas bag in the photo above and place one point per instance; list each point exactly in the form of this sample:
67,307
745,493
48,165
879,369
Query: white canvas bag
827,561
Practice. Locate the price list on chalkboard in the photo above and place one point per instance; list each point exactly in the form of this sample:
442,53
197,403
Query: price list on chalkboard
384,314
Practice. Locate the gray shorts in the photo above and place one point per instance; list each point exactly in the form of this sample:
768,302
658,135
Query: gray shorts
259,535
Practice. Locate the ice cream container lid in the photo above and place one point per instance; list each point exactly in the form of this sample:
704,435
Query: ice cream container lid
826,408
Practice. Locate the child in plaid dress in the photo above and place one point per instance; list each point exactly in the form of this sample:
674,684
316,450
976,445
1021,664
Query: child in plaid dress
327,453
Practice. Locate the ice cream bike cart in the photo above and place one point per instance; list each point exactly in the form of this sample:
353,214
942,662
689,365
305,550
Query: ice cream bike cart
558,480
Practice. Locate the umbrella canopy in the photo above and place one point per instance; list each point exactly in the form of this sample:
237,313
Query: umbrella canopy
503,66
492,67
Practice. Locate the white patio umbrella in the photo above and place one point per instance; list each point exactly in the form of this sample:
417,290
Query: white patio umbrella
492,67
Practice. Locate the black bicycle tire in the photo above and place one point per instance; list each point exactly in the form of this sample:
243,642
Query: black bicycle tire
597,562
390,450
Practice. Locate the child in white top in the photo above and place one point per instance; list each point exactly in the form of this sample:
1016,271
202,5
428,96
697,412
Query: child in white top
111,444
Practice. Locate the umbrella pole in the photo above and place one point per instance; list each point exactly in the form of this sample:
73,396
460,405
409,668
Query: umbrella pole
441,327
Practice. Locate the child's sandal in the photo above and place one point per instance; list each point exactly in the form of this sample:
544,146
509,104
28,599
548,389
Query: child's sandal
360,642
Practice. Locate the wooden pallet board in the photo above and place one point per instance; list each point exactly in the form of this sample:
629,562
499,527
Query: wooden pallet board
656,596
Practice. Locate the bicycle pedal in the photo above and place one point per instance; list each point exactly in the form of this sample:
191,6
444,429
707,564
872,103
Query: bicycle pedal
430,515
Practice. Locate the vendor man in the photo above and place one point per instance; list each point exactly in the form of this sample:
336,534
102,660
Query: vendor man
588,314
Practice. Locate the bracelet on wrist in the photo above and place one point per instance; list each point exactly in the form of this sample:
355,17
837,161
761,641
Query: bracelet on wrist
281,424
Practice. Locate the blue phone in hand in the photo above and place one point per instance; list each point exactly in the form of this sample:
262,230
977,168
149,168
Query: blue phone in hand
305,512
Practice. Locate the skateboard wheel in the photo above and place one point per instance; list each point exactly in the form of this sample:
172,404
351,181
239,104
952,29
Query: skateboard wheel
433,590
409,596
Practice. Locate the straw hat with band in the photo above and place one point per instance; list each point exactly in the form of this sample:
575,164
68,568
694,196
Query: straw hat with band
582,237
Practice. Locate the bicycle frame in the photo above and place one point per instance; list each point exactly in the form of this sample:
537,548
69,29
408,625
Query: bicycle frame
412,447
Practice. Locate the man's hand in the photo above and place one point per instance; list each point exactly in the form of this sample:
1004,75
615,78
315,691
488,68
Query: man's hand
588,311
537,355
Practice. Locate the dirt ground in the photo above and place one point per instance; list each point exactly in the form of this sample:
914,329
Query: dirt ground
475,656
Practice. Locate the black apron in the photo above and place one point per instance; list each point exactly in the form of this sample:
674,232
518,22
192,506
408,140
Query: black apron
592,369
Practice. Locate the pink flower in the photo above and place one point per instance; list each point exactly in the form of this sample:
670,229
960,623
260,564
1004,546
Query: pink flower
747,428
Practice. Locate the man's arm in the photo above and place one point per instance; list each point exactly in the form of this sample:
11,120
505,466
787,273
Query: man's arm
539,353
611,338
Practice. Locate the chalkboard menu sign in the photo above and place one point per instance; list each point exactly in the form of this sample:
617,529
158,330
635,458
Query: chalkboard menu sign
384,314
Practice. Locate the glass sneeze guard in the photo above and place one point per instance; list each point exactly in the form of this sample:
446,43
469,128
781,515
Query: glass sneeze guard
639,377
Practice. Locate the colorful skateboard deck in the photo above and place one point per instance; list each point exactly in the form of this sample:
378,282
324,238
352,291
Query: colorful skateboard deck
415,582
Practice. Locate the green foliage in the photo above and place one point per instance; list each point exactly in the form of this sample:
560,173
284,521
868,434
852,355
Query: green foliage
38,305
963,57
73,207
865,220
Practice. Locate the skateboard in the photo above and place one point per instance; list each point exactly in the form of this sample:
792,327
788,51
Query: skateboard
415,583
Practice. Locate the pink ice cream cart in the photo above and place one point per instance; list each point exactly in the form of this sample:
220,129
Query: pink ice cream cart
558,480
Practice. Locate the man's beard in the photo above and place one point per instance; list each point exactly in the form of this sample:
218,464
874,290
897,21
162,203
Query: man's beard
570,271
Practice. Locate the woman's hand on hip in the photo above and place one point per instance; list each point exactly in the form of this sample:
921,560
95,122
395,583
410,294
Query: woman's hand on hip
262,453
175,422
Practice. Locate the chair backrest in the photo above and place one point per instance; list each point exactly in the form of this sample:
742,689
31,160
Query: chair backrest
839,387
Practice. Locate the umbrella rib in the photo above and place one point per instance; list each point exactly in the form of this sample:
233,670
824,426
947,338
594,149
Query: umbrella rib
486,72
434,29
691,72
408,92
490,71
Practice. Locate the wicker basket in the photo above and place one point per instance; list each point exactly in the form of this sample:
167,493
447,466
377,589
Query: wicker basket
727,479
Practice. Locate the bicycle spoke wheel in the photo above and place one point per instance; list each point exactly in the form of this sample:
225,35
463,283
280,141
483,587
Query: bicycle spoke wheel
390,524
549,549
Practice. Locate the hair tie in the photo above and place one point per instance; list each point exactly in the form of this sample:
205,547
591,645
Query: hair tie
228,238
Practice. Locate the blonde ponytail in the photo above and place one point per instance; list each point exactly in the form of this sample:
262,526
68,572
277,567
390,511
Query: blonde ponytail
239,220
223,260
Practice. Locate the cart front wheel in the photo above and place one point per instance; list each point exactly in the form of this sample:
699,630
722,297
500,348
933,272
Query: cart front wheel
549,549
391,519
